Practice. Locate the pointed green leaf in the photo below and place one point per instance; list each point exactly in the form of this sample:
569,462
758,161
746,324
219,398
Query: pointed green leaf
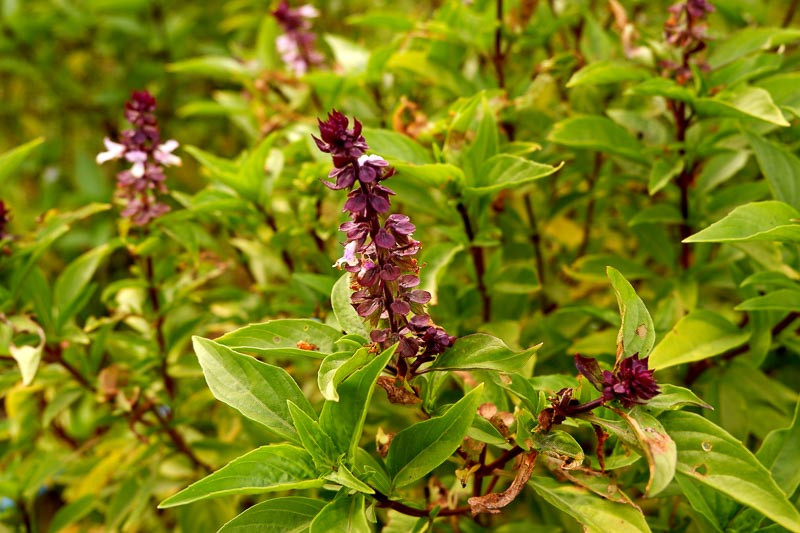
344,477
699,335
606,72
482,352
637,332
506,171
272,468
318,444
656,446
337,367
778,300
592,511
348,319
709,454
279,515
674,397
780,453
258,390
742,102
345,514
780,166
284,338
418,449
597,133
344,420
757,221
12,159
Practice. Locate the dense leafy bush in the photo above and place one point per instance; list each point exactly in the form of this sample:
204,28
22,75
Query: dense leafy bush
488,265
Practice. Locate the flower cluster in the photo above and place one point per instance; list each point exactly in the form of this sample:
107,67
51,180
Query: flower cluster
631,382
141,146
379,254
296,45
5,217
686,30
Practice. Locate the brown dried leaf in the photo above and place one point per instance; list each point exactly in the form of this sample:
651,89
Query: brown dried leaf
494,502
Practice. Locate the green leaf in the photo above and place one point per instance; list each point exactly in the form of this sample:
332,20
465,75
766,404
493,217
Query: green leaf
750,40
742,102
710,455
336,368
284,338
781,455
278,467
778,300
257,390
674,397
418,449
637,332
485,146
559,445
482,352
251,179
345,514
505,171
348,319
27,356
781,168
757,221
592,511
12,159
344,420
344,477
432,175
70,286
597,133
279,515
656,446
221,67
316,442
699,335
393,145
605,72
662,173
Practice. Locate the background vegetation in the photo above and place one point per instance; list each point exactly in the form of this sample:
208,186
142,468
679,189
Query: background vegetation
533,150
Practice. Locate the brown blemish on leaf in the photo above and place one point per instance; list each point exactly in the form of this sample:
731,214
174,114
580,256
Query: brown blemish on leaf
311,347
397,393
701,470
494,502
641,331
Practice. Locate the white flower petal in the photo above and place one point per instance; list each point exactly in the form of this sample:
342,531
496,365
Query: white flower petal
138,170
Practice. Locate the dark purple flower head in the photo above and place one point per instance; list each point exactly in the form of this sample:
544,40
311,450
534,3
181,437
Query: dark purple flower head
379,252
5,218
141,146
342,143
631,382
296,45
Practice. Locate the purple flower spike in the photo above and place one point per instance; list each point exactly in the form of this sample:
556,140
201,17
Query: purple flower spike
296,45
379,254
138,186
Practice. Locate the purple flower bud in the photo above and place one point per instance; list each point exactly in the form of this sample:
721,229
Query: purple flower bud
384,239
400,307
632,383
296,45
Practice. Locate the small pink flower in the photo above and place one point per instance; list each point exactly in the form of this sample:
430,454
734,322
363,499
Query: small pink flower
163,154
113,151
